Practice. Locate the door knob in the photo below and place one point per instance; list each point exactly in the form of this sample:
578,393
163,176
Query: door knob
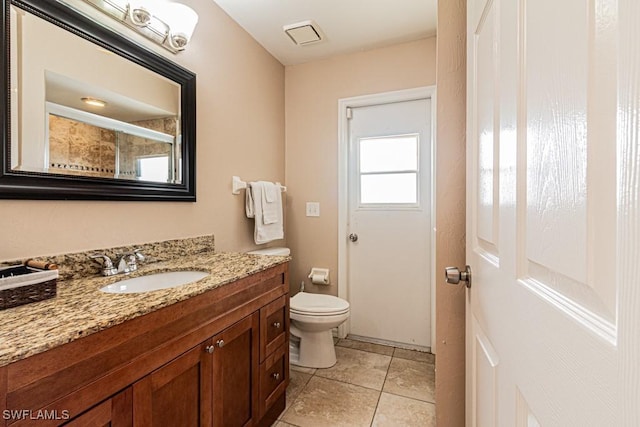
353,237
455,276
220,343
209,349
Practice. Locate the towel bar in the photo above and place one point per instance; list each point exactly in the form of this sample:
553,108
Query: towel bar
237,184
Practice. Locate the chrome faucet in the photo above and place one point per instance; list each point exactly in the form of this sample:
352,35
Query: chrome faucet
127,263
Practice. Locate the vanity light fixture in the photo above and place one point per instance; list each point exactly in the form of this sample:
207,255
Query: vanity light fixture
93,101
167,23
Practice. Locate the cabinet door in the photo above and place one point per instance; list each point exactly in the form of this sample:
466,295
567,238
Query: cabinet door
236,374
177,394
113,412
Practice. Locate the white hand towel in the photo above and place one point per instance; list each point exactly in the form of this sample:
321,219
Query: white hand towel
270,191
271,204
264,232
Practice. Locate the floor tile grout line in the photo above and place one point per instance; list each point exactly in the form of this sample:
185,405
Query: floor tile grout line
348,383
409,397
386,374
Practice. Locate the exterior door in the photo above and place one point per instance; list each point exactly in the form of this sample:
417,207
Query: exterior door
553,207
389,252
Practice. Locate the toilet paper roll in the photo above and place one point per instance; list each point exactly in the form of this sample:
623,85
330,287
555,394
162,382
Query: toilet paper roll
319,279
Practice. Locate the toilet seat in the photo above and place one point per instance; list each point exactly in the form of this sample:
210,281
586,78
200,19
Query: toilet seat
305,303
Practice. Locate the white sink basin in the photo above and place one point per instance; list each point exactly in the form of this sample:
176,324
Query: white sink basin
154,282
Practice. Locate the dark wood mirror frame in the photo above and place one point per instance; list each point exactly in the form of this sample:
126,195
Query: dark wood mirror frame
33,185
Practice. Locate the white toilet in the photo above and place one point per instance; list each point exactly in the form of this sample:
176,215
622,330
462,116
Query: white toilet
313,316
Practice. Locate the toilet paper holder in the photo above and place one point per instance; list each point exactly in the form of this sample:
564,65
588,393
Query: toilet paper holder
319,276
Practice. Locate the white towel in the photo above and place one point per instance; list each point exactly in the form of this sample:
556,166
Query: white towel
267,215
271,204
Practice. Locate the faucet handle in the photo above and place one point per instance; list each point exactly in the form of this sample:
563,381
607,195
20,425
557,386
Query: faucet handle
106,261
107,265
128,261
139,256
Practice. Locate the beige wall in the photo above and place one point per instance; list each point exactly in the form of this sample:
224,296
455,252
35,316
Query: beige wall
240,131
450,211
311,102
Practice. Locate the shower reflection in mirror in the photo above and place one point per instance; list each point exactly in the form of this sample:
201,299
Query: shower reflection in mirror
88,144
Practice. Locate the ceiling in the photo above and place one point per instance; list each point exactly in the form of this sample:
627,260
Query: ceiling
68,92
348,25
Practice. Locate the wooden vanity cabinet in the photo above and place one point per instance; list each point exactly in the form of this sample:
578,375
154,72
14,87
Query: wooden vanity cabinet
215,381
113,412
217,359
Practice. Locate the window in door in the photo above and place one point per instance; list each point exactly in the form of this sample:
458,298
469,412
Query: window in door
388,172
153,168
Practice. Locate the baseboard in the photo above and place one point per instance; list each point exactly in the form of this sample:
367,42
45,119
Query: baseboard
390,343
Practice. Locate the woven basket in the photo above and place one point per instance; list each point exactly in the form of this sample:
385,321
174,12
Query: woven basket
24,293
27,294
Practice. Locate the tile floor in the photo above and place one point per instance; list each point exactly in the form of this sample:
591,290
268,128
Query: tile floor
371,385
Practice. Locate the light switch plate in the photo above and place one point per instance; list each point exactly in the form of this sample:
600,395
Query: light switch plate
313,209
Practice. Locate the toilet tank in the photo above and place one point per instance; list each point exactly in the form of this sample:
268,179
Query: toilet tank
272,251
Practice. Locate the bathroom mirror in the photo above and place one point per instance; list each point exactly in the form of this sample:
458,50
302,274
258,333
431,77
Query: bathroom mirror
90,114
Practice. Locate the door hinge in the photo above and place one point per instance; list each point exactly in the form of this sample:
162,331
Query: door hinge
349,113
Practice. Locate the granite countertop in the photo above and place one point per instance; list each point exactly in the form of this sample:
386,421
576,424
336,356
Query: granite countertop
80,308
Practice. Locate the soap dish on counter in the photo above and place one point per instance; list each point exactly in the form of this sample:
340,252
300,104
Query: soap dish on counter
21,285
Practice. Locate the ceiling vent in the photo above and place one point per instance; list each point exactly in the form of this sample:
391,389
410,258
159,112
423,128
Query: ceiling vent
303,33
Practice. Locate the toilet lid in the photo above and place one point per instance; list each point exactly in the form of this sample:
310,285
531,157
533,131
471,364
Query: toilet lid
305,302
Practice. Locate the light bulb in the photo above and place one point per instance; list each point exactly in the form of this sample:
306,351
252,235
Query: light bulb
182,21
140,12
93,101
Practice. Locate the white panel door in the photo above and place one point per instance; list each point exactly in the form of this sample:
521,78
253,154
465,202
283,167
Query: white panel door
553,234
389,267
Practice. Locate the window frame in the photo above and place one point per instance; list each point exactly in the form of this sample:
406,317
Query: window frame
358,178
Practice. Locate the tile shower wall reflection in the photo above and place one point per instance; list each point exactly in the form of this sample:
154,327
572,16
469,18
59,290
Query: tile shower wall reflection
132,148
77,148
80,148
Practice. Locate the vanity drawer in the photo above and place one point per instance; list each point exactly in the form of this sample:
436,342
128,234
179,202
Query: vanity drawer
274,325
274,377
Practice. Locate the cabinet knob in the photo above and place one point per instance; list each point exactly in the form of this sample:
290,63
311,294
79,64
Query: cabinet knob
209,349
276,325
275,376
220,343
